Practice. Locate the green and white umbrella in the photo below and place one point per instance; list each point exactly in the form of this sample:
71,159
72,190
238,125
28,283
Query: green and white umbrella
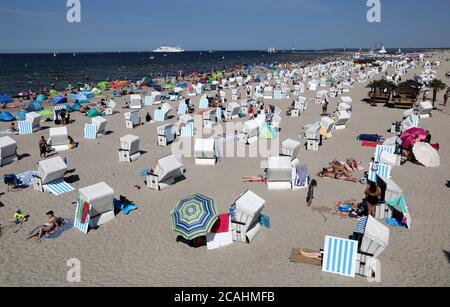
194,216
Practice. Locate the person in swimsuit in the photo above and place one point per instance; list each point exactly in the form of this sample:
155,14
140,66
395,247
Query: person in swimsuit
53,222
373,195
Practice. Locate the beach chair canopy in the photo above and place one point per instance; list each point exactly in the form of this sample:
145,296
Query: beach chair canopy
280,169
167,167
194,216
205,148
8,147
100,196
130,143
51,169
58,136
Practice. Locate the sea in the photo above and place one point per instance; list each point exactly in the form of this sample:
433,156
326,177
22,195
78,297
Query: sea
23,72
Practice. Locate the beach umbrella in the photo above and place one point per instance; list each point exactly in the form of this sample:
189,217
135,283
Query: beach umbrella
5,99
426,155
194,216
408,136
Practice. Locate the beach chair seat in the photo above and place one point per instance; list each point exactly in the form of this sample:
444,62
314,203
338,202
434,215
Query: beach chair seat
135,101
327,125
249,133
425,108
132,119
341,120
233,110
313,138
166,134
110,106
59,139
50,171
35,119
291,148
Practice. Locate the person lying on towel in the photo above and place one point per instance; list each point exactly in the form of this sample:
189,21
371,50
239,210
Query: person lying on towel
52,223
325,173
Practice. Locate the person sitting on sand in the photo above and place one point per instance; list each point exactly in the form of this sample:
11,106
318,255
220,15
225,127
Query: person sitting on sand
53,222
12,128
148,118
19,218
353,164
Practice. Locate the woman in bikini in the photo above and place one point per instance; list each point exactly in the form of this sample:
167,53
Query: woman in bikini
373,195
53,222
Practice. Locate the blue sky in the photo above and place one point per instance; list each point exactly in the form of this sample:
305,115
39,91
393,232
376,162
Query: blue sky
131,25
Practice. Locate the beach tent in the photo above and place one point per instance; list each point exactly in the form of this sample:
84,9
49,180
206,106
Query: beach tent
34,106
46,113
21,115
59,100
103,85
6,117
194,216
93,113
5,99
41,98
267,132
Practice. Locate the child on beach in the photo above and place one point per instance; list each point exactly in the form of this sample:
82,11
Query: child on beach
310,196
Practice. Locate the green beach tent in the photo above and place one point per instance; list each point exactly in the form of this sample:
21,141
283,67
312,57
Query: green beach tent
46,113
93,113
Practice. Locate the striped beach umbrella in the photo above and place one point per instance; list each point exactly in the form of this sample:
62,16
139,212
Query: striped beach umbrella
194,216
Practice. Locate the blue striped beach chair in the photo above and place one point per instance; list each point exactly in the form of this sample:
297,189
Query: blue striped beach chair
218,113
77,222
25,127
57,111
188,130
59,187
204,103
340,256
148,101
378,169
277,94
382,148
90,131
159,116
182,109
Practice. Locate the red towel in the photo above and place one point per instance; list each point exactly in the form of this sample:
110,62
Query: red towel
85,212
222,224
370,144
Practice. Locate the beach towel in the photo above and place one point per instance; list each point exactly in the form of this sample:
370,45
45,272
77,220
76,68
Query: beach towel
59,187
27,178
82,216
297,258
124,208
394,222
370,137
255,179
144,172
370,144
57,232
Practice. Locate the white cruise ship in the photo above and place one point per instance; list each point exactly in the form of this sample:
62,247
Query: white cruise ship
167,49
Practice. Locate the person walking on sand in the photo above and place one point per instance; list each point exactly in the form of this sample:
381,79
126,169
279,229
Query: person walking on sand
325,107
445,99
43,147
310,196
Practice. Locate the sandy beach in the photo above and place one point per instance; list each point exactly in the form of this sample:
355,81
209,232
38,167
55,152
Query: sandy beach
140,249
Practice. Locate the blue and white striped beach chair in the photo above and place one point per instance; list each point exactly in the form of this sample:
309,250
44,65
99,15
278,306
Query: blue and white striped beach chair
182,109
159,116
382,148
58,187
188,130
218,113
204,103
148,101
57,111
340,256
77,223
25,127
382,170
90,131
277,94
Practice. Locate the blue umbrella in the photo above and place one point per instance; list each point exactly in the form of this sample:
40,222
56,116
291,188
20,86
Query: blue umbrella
6,117
194,216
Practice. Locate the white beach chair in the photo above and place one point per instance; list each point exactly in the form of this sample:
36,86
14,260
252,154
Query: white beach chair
166,134
341,119
148,101
291,148
245,219
35,119
50,177
249,132
129,148
312,134
328,125
8,150
233,110
100,124
168,170
59,139
156,97
268,92
210,119
279,173
110,106
425,109
163,113
205,152
99,199
135,101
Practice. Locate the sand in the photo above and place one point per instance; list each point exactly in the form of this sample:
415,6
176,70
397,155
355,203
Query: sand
140,249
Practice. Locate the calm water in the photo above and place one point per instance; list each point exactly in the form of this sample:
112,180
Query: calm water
20,72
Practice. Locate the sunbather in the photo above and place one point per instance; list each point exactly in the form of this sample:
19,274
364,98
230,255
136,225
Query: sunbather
53,222
353,164
315,256
339,176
